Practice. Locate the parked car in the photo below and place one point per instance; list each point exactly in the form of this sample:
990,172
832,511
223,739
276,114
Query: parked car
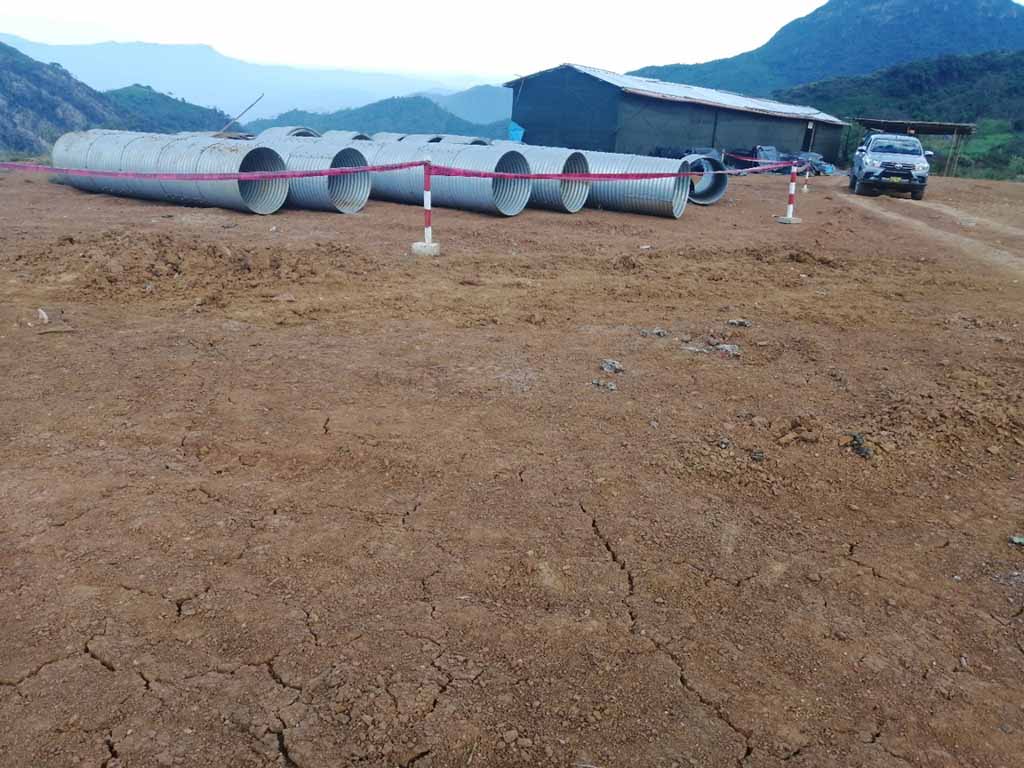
890,161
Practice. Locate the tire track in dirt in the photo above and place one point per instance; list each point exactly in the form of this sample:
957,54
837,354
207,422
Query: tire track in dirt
968,245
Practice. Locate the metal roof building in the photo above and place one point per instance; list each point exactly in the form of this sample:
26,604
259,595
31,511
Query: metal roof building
589,108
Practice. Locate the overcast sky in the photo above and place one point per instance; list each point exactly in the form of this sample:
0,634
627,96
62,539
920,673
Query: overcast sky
488,39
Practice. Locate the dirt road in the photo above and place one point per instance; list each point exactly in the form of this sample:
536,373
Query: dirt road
274,494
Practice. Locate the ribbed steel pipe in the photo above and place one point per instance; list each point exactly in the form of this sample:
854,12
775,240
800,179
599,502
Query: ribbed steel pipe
454,138
710,186
346,136
505,197
387,136
654,197
347,193
70,151
404,186
287,131
157,153
445,138
566,196
422,138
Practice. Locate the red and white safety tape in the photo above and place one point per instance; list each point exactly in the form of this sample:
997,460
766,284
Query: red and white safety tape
435,170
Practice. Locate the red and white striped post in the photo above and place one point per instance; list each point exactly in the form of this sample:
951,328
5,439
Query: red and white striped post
789,218
428,247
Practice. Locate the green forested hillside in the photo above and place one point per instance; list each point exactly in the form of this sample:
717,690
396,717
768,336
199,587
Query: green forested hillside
987,89
39,102
148,110
854,37
950,88
411,114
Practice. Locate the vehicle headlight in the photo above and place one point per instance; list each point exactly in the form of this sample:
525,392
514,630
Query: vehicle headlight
872,163
921,167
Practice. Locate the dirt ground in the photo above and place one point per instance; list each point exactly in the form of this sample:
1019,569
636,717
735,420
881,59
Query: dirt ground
274,494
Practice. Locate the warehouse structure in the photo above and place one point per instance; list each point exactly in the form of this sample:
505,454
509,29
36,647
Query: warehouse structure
588,108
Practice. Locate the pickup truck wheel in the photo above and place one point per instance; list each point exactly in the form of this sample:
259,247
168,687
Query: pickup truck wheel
917,194
860,188
853,181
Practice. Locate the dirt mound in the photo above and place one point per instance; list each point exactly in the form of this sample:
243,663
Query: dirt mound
118,263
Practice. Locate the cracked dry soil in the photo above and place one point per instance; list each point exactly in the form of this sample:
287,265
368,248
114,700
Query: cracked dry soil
291,499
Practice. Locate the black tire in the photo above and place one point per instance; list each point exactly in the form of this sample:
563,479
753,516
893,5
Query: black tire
860,188
917,194
853,181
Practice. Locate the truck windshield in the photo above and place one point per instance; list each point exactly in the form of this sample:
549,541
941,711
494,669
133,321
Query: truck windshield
896,146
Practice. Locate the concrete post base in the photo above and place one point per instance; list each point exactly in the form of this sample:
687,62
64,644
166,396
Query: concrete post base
426,249
788,219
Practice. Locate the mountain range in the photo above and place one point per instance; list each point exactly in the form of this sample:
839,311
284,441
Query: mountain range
950,88
201,75
410,114
855,37
480,104
39,102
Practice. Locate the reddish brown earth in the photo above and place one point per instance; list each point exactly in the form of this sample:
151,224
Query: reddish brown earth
272,494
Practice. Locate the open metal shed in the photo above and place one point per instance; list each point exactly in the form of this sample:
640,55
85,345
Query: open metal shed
959,131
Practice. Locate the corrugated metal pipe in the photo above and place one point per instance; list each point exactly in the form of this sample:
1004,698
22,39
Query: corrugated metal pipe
160,153
505,197
346,136
422,138
444,138
710,187
347,193
654,197
285,131
566,196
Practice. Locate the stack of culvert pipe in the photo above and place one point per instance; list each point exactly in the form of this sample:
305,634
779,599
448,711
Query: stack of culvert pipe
287,131
346,136
654,197
345,193
505,197
710,186
566,196
383,136
158,153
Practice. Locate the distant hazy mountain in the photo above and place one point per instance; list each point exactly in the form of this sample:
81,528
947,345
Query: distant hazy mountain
201,75
481,104
854,37
412,114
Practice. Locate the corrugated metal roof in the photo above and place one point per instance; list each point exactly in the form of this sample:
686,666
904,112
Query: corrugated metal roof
659,89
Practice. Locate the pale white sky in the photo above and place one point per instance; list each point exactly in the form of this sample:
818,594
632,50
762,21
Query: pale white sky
477,37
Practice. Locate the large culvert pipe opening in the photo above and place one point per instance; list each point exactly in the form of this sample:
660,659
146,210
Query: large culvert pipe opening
267,195
511,195
710,186
574,193
349,192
